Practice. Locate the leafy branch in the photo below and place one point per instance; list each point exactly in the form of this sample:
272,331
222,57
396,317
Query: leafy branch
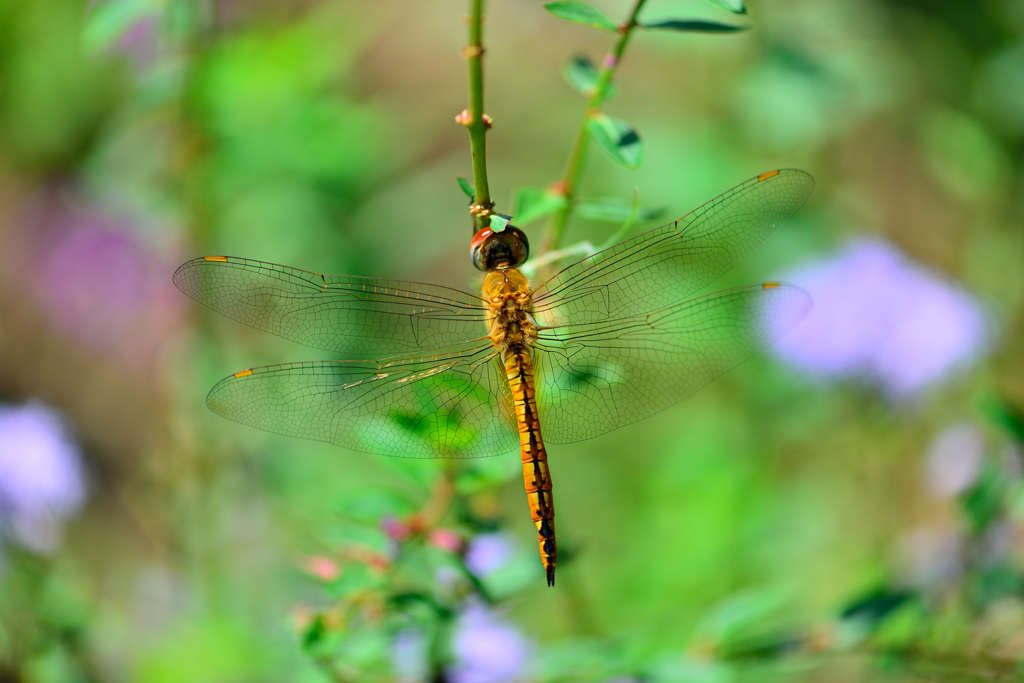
593,119
617,138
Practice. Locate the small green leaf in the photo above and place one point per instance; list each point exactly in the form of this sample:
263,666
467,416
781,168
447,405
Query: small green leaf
581,73
875,605
617,138
984,502
582,13
315,633
614,210
694,25
499,221
535,202
466,187
407,600
1007,416
734,6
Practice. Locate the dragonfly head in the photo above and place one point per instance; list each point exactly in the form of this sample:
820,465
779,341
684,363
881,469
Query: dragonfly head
491,250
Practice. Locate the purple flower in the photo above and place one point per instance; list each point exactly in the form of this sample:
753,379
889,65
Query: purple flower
41,476
487,649
409,652
95,279
879,316
487,553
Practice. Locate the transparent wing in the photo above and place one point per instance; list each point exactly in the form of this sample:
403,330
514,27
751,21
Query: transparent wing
359,316
450,405
665,265
596,377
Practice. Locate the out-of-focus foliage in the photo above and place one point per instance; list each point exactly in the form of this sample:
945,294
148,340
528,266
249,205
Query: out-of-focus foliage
847,507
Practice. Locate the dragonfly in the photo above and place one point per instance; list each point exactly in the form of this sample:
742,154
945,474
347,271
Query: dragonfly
609,340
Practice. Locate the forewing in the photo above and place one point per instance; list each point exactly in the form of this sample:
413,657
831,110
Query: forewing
668,264
596,377
451,405
357,316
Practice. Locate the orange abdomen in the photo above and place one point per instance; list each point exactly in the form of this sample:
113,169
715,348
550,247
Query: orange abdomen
537,479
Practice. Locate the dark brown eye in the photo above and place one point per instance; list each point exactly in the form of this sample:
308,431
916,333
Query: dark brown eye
506,249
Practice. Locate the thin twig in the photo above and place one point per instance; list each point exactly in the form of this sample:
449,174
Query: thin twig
574,168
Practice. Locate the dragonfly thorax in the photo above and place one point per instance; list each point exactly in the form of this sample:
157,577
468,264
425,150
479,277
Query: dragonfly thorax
509,309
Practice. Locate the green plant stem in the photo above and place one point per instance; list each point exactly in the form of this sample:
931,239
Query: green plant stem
577,156
476,124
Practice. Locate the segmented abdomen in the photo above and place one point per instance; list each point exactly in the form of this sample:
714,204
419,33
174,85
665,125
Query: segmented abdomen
537,479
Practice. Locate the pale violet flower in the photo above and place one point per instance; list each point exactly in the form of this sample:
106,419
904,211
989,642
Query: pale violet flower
880,316
409,652
42,481
487,553
487,648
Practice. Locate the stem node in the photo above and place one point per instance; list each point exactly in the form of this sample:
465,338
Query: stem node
482,210
559,187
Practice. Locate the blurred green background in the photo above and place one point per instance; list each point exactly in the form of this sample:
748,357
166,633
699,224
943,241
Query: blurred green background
847,507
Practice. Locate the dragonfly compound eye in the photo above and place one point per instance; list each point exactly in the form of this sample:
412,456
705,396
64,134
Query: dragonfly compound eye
506,249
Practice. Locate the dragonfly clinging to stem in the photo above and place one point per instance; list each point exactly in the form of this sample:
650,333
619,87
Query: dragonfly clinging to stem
606,341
